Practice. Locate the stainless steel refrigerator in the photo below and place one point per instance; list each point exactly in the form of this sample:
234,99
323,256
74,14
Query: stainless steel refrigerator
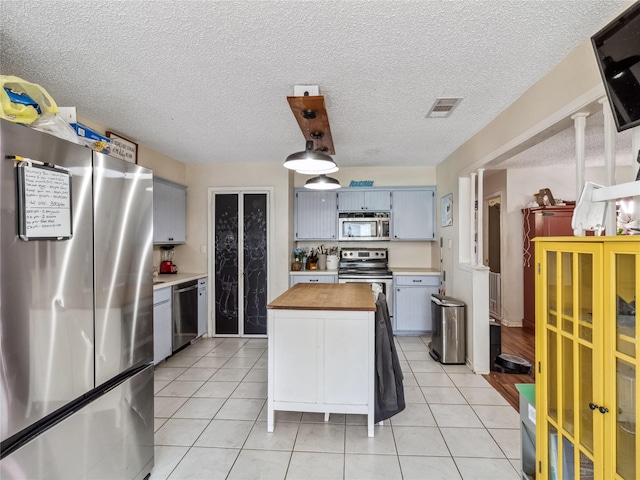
76,319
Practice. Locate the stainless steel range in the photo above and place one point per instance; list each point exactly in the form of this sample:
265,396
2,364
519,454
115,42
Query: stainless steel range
367,265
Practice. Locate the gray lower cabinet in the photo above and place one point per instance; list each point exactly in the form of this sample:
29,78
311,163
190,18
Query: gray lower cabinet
316,215
293,279
169,212
413,214
161,324
412,303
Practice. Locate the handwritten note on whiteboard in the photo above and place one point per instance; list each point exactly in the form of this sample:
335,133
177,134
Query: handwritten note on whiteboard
44,198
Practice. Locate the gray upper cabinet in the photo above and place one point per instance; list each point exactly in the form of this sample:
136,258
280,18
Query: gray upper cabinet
169,212
316,215
413,215
364,200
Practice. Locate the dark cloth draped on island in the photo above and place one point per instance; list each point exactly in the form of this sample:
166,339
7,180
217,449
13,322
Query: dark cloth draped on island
389,387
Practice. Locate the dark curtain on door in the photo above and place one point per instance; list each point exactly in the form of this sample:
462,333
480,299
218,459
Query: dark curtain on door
255,264
226,263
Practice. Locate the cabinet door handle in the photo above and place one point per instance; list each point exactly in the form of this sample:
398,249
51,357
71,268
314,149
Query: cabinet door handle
313,279
417,281
600,408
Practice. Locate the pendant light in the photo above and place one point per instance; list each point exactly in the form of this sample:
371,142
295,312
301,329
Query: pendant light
320,172
310,161
322,182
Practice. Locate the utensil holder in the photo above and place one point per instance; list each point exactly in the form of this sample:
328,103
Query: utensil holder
332,262
322,261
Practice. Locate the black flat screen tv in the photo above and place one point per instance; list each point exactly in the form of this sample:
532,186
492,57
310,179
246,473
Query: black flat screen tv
617,49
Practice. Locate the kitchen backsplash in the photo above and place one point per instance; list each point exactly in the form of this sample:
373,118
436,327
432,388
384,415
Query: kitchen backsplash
401,254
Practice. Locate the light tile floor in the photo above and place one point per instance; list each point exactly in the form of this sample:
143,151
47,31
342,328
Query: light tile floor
210,423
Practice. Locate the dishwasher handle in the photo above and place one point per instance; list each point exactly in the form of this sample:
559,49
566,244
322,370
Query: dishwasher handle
186,289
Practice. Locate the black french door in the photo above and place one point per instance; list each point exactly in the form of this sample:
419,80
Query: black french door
240,242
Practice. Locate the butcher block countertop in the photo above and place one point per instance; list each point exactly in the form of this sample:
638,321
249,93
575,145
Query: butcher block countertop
326,296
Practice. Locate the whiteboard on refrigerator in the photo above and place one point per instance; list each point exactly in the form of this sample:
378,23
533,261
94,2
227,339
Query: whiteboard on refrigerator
44,202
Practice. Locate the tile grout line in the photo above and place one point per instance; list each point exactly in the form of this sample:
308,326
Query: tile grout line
255,421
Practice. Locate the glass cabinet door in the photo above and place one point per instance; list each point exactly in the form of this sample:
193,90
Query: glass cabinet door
625,268
570,322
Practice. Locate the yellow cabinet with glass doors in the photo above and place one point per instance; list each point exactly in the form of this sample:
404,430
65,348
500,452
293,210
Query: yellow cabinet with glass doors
587,362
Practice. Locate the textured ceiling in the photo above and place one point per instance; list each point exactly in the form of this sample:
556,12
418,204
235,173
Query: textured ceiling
207,81
561,148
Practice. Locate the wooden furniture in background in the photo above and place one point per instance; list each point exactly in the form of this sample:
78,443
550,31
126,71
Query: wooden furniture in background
540,222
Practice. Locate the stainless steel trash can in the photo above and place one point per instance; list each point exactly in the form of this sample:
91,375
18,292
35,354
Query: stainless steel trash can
448,340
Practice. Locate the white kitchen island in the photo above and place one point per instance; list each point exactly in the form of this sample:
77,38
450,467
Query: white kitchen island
322,351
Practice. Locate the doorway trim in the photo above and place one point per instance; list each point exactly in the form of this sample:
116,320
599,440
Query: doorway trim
211,192
499,196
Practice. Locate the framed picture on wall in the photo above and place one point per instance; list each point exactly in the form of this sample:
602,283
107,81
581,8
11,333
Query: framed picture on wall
123,148
446,210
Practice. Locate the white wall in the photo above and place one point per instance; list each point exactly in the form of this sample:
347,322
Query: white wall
381,176
538,114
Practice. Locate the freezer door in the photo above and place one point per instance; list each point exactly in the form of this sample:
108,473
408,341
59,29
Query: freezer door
110,438
123,211
46,291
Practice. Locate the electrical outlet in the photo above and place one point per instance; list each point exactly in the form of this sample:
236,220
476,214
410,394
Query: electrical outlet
203,249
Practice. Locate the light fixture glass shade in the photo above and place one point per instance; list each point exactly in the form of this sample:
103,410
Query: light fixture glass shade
309,161
322,182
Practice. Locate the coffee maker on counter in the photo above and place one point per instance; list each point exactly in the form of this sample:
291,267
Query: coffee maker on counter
166,260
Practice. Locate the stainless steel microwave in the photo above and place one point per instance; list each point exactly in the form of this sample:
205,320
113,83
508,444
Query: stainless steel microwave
363,226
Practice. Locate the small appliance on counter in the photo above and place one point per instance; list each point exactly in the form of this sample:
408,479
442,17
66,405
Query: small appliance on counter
166,260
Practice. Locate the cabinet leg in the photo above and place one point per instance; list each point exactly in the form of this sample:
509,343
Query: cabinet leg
326,416
270,417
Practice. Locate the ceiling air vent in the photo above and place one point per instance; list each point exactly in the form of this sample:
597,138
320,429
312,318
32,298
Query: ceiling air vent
443,107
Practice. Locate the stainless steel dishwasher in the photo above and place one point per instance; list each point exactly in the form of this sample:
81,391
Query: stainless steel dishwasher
185,314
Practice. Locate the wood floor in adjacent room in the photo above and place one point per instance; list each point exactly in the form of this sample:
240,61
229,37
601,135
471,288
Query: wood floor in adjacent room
516,341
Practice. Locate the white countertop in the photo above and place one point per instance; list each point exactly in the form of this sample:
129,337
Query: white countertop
395,270
169,279
314,272
414,271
